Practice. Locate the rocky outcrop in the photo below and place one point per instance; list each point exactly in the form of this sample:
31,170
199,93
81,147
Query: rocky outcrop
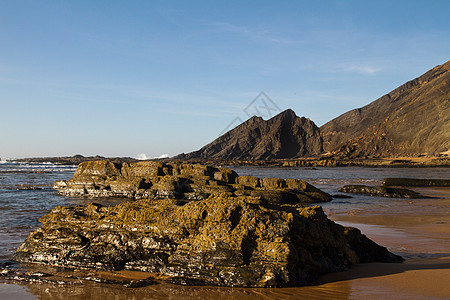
283,136
156,180
416,182
222,241
413,119
380,191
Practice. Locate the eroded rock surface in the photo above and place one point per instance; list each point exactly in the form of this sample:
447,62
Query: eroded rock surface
222,241
150,179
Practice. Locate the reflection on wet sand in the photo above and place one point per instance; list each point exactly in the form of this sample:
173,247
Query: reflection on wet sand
333,290
414,280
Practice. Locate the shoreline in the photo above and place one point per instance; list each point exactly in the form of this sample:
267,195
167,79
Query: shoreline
324,161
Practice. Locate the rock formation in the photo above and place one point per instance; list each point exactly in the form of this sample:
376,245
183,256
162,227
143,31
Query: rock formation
222,241
416,182
380,191
283,136
150,179
411,120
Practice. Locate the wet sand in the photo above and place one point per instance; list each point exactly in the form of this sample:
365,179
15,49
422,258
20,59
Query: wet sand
421,235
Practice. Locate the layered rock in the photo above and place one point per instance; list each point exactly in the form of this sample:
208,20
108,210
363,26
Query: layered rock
411,120
283,136
150,179
223,241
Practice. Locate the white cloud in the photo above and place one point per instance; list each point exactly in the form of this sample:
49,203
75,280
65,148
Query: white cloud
163,156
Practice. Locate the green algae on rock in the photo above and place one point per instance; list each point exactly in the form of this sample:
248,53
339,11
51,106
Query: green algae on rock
222,241
151,179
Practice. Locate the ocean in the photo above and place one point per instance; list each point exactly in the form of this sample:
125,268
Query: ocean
26,194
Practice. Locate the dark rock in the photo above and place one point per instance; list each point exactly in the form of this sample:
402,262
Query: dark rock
222,241
283,136
24,186
150,179
380,191
409,121
414,182
341,196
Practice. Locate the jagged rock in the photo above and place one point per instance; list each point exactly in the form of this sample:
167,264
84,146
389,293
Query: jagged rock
283,136
223,241
416,182
380,191
409,121
150,179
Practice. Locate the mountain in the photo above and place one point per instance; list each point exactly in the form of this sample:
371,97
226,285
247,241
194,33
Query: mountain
283,136
412,120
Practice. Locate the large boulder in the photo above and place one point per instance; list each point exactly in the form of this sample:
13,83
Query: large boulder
222,241
150,179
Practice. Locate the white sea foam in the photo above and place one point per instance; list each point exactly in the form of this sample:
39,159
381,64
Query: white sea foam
142,156
163,156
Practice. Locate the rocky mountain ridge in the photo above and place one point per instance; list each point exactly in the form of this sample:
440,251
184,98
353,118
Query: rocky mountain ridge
410,121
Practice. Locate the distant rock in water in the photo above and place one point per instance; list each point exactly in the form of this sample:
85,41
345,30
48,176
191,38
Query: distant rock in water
283,136
416,182
411,120
380,191
221,241
158,180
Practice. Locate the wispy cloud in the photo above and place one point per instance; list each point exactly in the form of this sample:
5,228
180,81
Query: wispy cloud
259,35
364,69
360,67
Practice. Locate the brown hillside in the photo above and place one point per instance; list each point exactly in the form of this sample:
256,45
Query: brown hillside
411,120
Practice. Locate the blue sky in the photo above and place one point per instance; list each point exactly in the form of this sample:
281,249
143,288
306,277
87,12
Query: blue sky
123,78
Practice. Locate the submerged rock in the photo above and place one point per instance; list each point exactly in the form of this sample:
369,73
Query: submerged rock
150,179
221,241
380,191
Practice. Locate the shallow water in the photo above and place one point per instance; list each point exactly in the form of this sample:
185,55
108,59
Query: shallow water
417,229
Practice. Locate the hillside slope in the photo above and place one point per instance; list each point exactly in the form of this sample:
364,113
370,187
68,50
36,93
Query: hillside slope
412,120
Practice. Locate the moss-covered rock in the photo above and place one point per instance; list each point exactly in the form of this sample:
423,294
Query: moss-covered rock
149,179
223,241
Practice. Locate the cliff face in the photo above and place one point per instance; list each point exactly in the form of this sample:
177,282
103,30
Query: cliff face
283,136
411,120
